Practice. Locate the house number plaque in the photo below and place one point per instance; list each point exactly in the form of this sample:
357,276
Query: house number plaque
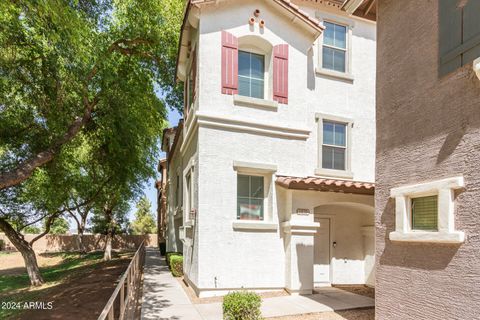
303,211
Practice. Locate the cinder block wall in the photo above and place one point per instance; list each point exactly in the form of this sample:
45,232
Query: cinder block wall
60,243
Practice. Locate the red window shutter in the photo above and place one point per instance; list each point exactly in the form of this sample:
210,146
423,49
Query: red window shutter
280,73
229,63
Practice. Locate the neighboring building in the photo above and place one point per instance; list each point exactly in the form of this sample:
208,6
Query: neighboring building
428,160
270,175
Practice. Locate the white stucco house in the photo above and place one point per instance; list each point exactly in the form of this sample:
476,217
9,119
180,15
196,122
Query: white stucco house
271,172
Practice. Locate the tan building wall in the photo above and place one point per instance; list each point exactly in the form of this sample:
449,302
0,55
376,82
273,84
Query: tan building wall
56,243
427,128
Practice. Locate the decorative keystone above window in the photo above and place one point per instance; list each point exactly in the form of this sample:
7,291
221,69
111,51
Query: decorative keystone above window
425,212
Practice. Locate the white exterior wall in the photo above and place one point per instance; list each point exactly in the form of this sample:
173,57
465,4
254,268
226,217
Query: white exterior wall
226,258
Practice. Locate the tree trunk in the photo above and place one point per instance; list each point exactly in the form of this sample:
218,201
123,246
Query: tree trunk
81,244
26,250
107,256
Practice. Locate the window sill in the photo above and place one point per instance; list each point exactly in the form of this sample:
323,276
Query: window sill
334,173
255,102
254,225
334,74
430,237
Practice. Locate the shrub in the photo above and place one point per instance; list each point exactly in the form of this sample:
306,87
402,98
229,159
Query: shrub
242,305
176,265
2,245
170,254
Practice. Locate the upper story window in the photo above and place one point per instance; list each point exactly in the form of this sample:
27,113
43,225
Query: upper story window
334,53
251,74
334,145
250,197
459,34
254,70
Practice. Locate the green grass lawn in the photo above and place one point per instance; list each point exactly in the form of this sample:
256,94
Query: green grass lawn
17,288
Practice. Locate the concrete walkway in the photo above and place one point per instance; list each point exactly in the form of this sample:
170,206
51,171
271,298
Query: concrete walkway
165,299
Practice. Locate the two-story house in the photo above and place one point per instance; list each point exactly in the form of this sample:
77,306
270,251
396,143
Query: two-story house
270,174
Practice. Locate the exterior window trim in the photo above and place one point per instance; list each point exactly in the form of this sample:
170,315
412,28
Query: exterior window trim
347,173
246,46
349,24
444,189
267,171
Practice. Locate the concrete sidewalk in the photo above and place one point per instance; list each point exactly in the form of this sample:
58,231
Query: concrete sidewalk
164,298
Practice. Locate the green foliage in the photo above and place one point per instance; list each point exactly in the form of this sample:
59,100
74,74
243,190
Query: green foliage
59,226
144,222
33,229
56,57
176,265
242,305
170,254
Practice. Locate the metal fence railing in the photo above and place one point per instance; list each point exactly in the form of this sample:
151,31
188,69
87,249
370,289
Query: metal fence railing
124,296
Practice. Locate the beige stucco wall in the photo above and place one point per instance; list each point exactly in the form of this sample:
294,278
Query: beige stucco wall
427,128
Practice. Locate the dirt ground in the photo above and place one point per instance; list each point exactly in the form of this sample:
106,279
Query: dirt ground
358,314
82,295
12,263
196,300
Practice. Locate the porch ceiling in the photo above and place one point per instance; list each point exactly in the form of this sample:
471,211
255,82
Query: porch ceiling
326,184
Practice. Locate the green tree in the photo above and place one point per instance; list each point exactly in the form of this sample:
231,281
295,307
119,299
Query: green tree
79,77
31,229
58,226
64,63
144,222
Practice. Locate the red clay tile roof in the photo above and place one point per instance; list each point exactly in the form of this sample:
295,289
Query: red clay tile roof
326,184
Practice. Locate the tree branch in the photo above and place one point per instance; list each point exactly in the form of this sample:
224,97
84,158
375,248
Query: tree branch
25,169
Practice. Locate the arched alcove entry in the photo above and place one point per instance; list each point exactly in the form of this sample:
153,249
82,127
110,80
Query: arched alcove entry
344,246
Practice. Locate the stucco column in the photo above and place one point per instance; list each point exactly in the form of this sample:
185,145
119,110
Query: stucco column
299,244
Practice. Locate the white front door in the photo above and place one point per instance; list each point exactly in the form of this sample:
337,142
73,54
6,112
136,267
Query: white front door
321,258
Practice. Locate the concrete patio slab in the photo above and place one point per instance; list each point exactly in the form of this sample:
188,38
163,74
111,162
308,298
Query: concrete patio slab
165,299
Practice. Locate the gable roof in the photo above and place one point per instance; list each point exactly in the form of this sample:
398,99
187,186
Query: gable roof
287,5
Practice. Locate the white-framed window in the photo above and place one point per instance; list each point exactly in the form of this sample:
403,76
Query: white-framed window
334,48
254,194
334,146
250,197
251,74
425,212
